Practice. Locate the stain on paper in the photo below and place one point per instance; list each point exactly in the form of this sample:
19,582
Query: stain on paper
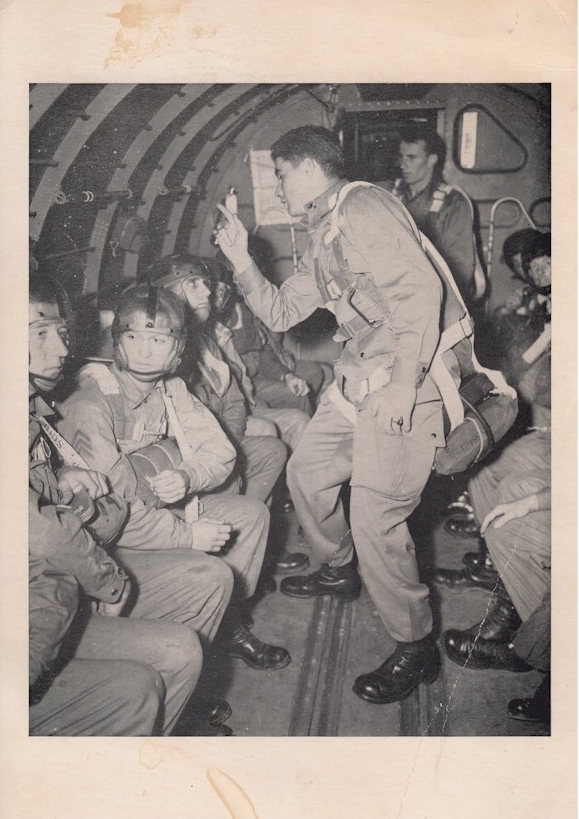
231,794
149,28
237,802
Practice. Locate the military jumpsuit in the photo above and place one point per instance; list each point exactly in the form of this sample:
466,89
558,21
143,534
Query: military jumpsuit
376,278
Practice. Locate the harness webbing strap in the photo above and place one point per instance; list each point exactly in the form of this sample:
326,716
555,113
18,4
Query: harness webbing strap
67,452
463,328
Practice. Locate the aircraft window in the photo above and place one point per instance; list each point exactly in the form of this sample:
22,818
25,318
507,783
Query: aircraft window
482,144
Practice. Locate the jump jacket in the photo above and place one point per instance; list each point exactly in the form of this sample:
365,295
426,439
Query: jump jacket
108,417
58,535
209,378
63,555
377,280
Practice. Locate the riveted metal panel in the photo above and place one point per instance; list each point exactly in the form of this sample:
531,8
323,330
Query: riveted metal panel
42,96
172,154
68,149
127,165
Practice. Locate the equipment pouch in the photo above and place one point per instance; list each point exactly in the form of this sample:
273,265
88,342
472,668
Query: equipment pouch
366,307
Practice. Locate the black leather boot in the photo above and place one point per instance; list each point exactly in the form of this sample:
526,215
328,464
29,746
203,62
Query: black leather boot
291,561
480,577
343,582
536,708
397,677
242,643
472,652
204,718
487,644
500,623
477,560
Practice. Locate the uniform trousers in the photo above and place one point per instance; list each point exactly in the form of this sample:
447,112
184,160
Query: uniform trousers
182,585
521,549
245,550
260,461
290,424
277,395
99,698
263,459
387,475
125,676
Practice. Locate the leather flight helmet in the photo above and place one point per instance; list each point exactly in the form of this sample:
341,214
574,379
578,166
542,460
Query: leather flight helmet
149,309
178,268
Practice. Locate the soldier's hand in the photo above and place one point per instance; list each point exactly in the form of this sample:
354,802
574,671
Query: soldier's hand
210,534
505,512
392,407
296,385
112,609
171,485
72,479
231,236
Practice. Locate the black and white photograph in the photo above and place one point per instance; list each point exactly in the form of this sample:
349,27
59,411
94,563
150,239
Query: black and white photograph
289,434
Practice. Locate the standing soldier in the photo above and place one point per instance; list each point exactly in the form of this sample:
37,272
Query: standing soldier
380,423
442,212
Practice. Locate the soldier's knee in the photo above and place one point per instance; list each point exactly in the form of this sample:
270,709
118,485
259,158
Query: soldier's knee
183,652
221,578
255,512
277,451
294,469
139,693
515,487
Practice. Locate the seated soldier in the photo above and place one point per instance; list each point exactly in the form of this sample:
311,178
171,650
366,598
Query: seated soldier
513,248
511,497
522,324
91,672
261,458
137,402
290,421
279,380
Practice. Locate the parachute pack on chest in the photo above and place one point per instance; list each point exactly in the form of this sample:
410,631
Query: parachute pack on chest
479,404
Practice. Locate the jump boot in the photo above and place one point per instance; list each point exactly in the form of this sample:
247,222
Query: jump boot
488,644
398,676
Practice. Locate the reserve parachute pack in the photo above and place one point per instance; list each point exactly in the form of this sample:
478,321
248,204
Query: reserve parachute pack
480,406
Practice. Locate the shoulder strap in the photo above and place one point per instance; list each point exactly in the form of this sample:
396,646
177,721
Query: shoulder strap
100,373
68,453
192,506
480,279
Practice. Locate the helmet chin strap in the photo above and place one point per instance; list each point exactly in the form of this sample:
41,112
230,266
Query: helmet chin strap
44,392
122,360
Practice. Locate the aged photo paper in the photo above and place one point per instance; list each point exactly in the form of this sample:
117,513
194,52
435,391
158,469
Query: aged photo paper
378,41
